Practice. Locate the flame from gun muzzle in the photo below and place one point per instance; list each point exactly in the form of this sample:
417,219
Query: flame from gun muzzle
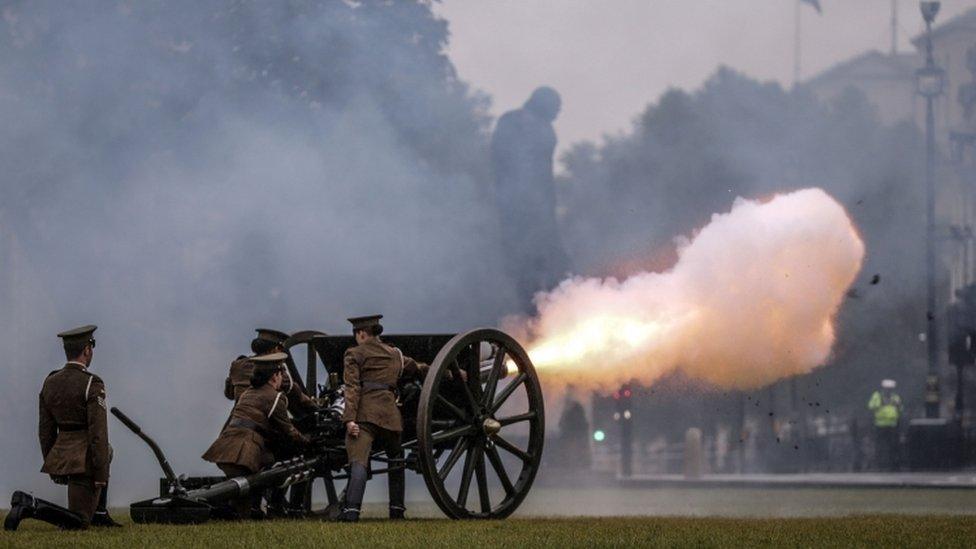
751,300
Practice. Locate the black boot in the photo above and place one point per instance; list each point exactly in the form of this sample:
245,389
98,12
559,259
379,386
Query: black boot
103,519
354,493
396,484
256,513
333,510
101,516
24,505
278,506
19,510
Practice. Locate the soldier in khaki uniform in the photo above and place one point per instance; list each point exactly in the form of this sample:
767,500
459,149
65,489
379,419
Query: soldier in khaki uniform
239,377
239,380
371,372
260,417
73,433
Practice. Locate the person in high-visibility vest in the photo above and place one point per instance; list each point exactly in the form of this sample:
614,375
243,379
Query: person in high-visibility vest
887,408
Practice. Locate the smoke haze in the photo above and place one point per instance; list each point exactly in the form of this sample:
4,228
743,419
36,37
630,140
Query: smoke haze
180,173
690,153
751,300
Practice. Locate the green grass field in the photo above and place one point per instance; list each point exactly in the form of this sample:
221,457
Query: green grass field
857,531
583,517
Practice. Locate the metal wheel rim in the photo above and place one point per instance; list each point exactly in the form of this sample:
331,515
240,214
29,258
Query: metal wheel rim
482,448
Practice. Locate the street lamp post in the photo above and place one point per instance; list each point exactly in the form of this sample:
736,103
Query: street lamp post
930,81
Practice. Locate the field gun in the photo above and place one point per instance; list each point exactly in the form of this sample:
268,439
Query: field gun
484,428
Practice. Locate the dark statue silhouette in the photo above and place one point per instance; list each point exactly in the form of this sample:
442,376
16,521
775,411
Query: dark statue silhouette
521,155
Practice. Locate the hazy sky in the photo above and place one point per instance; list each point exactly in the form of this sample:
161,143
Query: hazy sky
609,58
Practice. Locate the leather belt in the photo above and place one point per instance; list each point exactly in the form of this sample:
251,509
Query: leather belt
68,427
377,386
245,423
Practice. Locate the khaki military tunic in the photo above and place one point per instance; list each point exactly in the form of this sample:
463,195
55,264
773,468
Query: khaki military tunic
73,426
365,368
239,378
260,416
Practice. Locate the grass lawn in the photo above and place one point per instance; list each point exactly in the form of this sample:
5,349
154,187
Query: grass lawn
863,531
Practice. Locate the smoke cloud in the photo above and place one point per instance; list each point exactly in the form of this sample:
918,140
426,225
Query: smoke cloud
751,300
182,173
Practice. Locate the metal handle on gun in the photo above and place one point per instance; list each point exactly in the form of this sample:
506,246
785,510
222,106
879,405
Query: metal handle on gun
167,470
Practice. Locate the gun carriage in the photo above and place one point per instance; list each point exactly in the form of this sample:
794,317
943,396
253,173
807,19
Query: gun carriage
476,439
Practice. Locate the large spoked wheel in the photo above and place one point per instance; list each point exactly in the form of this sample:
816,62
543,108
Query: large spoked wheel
484,427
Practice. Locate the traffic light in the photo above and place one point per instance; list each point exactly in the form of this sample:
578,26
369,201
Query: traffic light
624,415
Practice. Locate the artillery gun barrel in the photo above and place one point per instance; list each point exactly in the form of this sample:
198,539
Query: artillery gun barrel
183,506
196,506
281,474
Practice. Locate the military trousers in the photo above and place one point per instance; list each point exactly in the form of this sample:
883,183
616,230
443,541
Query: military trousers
83,496
359,448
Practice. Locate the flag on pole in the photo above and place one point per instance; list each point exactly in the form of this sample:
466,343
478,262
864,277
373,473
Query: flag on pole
814,3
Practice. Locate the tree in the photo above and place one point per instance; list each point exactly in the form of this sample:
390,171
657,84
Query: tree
690,154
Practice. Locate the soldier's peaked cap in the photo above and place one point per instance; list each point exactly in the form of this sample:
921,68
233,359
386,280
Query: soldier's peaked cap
275,336
81,334
363,322
269,363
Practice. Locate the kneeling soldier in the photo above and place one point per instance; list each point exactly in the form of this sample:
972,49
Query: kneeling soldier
260,417
299,404
371,372
73,432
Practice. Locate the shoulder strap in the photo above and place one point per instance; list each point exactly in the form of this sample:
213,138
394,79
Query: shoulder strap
273,406
88,387
400,368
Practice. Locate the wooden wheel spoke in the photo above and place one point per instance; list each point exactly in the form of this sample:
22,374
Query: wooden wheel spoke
507,392
441,424
518,418
499,467
448,434
469,463
458,413
459,447
512,449
472,402
491,385
482,476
